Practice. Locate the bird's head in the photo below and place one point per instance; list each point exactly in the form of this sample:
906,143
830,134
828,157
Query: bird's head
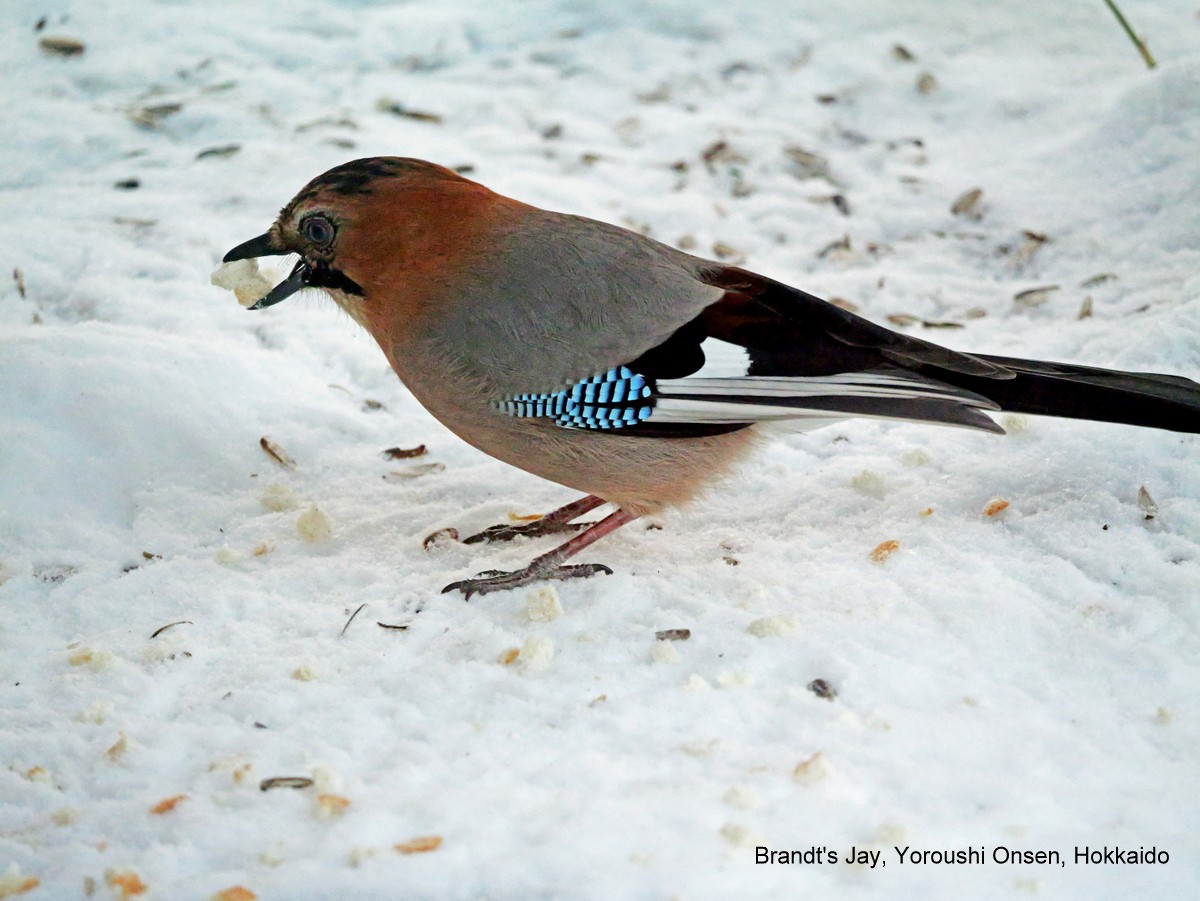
364,227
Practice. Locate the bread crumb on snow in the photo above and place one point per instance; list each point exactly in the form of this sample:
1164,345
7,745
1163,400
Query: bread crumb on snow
741,837
542,604
279,498
235,893
664,652
869,483
14,882
813,770
313,525
783,624
537,653
743,797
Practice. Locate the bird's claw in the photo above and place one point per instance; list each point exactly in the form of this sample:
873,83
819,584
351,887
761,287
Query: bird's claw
505,532
495,580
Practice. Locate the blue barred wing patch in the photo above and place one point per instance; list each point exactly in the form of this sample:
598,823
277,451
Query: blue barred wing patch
611,400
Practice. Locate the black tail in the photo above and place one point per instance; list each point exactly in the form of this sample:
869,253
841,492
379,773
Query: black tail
1084,392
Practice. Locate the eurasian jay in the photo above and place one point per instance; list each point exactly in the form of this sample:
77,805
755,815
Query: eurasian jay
605,361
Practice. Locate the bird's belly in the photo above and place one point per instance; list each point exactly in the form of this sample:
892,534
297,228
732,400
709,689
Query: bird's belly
641,475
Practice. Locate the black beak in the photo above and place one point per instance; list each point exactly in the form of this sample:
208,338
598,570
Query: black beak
285,289
262,246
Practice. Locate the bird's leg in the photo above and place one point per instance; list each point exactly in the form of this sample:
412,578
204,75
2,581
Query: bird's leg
550,524
549,565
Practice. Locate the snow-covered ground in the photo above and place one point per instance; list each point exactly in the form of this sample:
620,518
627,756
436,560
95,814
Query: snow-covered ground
1027,680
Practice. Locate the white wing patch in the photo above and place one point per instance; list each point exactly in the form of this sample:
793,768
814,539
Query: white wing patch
722,360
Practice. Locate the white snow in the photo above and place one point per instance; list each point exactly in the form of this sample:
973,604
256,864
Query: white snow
1027,680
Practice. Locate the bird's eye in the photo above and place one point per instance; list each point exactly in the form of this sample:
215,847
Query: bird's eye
318,230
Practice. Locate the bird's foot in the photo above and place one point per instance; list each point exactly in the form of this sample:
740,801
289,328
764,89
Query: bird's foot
505,532
495,580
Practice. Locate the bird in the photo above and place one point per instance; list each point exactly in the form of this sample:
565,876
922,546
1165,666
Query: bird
610,363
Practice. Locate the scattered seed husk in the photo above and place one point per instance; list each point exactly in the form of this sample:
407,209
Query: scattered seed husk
902,53
222,151
967,203
907,319
419,845
508,656
127,882
285,782
926,83
845,304
660,94
1085,308
395,108
884,549
822,689
552,132
720,152
332,121
154,115
60,45
276,453
974,313
398,628
401,453
807,164
725,251
995,506
414,472
673,635
434,537
1031,245
135,221
161,629
166,805
628,128
370,405
841,204
19,278
1146,503
1034,297
235,893
1099,279
54,574
127,184
836,248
